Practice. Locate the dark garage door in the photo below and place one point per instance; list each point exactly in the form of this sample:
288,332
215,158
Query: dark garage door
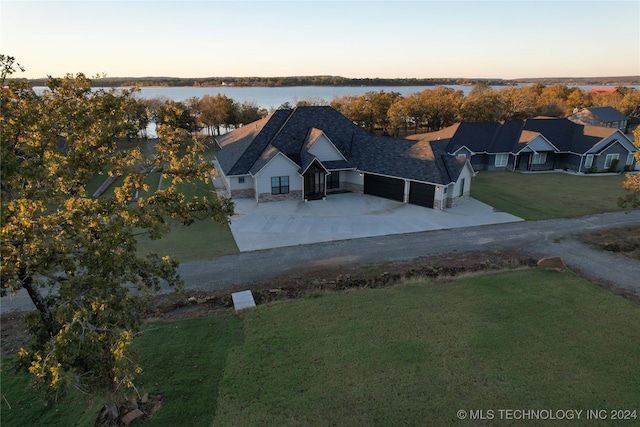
421,194
381,186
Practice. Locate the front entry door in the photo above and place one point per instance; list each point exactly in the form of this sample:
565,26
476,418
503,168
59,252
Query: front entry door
314,185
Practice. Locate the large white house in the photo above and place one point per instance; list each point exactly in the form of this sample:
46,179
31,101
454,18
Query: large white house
309,153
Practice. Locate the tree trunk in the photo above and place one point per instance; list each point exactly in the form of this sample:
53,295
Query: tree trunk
38,300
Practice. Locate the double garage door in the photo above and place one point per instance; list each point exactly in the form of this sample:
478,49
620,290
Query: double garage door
393,188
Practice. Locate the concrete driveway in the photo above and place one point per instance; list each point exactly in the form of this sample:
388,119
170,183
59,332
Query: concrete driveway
258,226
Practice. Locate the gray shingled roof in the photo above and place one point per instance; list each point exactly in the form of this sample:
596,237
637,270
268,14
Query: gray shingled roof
476,136
397,157
248,149
240,152
568,136
494,138
607,114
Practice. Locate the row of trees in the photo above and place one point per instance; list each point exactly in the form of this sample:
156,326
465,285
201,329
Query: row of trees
280,81
390,113
431,110
104,81
209,113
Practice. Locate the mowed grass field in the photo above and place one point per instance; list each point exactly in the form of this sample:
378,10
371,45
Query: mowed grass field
412,354
203,239
548,195
417,353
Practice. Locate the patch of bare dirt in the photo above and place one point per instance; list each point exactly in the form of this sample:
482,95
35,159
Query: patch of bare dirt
328,277
623,240
138,408
13,333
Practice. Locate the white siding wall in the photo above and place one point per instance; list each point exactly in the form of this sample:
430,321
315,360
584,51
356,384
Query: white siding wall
352,177
248,183
466,174
324,150
221,175
279,166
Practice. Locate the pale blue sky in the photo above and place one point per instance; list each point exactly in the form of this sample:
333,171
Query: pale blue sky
423,39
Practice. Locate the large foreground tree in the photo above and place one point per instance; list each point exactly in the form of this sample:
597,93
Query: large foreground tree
80,249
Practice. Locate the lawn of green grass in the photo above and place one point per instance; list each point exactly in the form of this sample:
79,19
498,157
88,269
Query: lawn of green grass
184,361
548,195
204,239
22,405
413,354
416,354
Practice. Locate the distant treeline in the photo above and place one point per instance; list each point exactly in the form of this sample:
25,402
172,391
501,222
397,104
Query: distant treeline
582,81
340,81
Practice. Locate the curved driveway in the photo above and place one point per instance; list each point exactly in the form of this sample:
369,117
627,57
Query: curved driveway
538,238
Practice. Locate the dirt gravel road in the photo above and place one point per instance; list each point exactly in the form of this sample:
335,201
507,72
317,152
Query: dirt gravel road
539,239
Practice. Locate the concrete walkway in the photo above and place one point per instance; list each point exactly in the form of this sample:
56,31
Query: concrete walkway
257,226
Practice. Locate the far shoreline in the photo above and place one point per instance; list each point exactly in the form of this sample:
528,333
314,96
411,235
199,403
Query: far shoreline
336,81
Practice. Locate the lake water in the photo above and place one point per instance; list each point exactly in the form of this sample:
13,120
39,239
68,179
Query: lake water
273,97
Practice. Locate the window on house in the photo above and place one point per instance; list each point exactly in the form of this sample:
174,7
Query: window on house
461,188
333,180
462,155
501,160
241,180
588,161
609,160
629,159
279,185
539,158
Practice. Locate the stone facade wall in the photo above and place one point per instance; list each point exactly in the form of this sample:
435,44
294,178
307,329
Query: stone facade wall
268,197
248,193
453,201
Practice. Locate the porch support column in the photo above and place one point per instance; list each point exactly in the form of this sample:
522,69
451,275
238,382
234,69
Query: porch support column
407,186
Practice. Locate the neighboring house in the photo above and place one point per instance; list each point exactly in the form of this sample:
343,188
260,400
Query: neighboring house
606,91
540,144
601,116
309,153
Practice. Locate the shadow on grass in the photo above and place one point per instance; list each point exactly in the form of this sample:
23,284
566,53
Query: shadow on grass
185,361
182,360
23,405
